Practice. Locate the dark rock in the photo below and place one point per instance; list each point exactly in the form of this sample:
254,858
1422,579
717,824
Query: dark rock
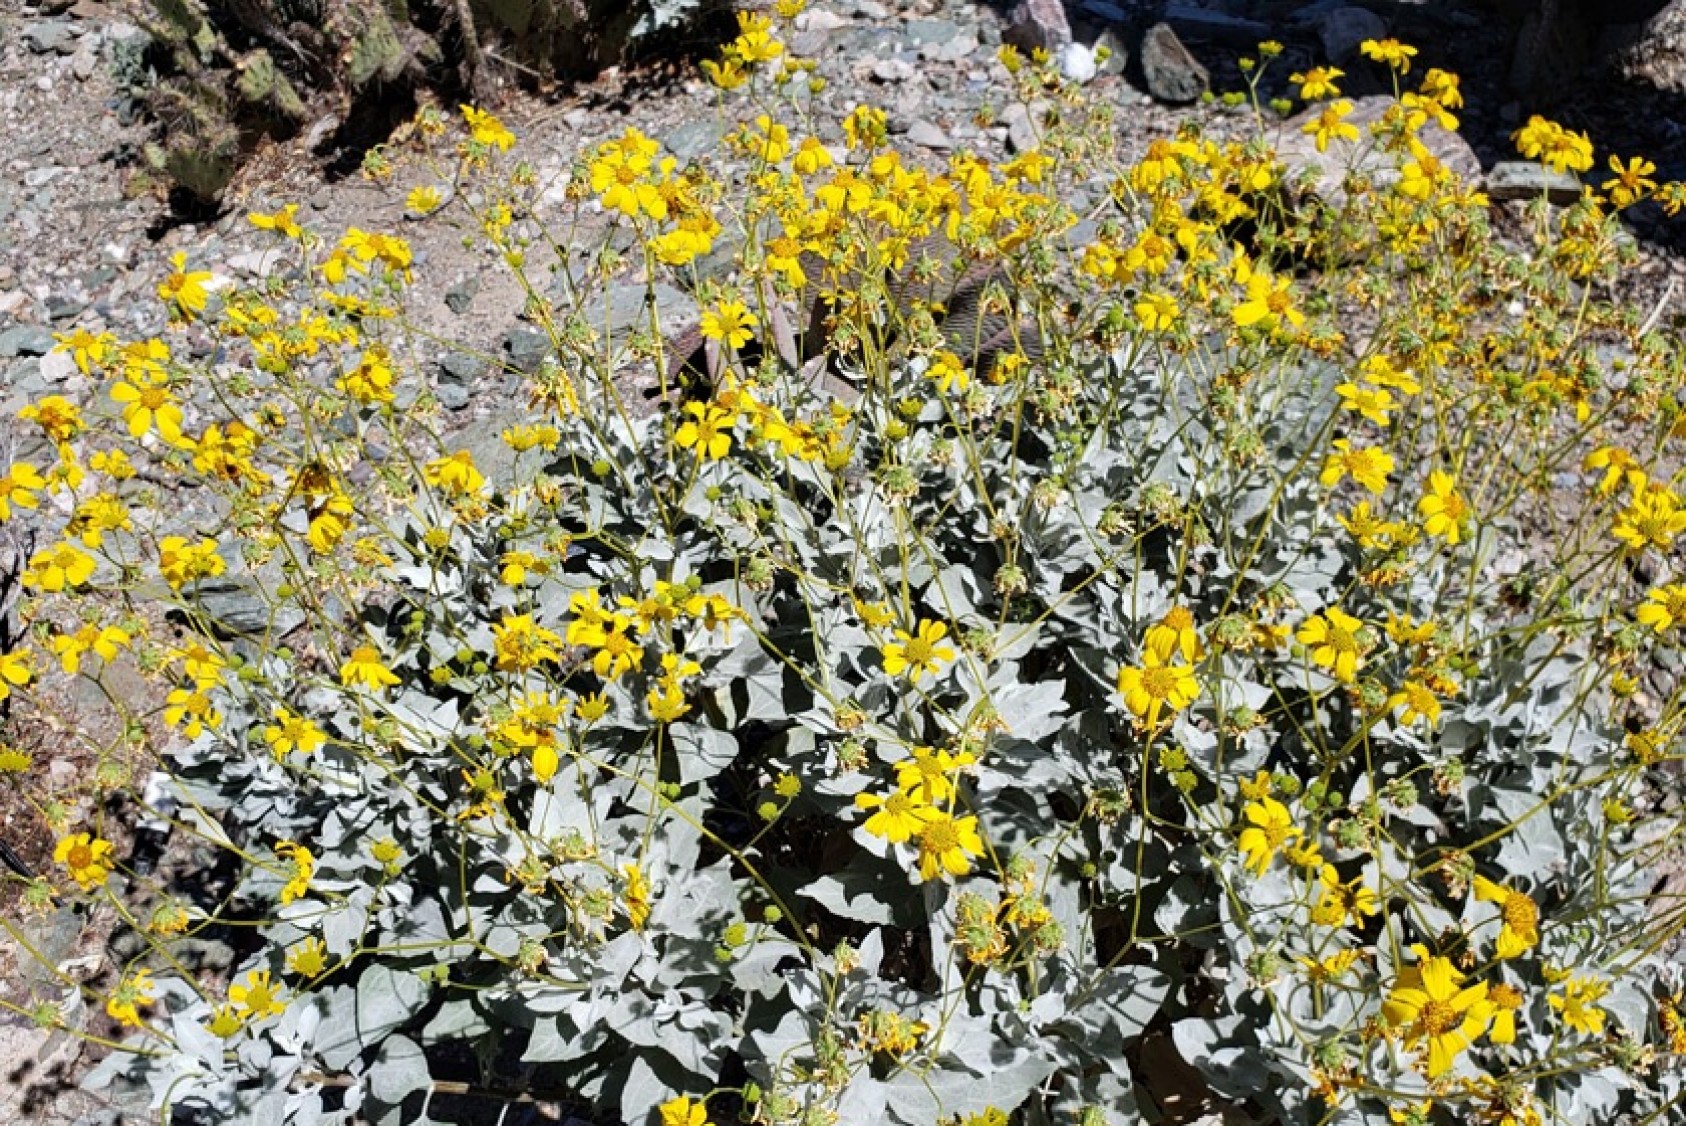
1216,27
460,367
451,396
526,348
1343,29
460,297
25,340
62,306
1038,25
1657,56
1173,75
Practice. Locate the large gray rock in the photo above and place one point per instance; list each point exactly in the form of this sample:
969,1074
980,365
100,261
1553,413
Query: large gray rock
1521,179
25,340
1327,170
1173,74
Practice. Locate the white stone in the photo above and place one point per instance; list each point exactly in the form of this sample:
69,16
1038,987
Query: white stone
1077,63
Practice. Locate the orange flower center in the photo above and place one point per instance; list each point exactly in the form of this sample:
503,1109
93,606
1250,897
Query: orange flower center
1437,1017
1159,683
1341,640
81,856
1520,913
919,651
940,837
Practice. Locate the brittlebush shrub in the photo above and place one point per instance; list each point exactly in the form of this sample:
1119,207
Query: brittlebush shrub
1251,659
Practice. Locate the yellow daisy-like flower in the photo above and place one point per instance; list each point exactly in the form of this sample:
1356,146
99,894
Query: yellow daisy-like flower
708,429
1520,915
1366,465
1443,508
423,200
1352,901
730,321
1270,826
683,1112
257,996
485,129
364,667
184,288
1157,686
898,818
455,474
929,775
308,959
523,644
1373,403
1390,51
1578,1004
1664,608
1157,312
226,1021
87,857
291,732
947,845
918,653
282,222
135,990
1429,1005
61,567
1334,642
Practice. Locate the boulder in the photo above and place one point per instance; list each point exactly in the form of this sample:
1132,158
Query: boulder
1173,75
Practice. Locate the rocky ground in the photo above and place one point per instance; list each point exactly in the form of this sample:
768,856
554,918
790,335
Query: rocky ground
84,236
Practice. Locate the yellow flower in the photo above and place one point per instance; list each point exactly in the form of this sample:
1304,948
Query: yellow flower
1664,608
185,289
949,372
1505,999
257,995
18,487
1270,827
899,817
60,567
1342,902
104,641
1557,148
88,859
371,380
947,844
636,896
522,644
455,474
1390,51
1431,1007
281,222
1157,311
304,866
709,429
291,732
730,321
927,776
17,669
1330,125
1443,509
683,1112
1653,519
181,562
1335,643
918,653
1372,403
1318,82
1155,686
135,990
484,129
423,200
1368,466
1268,302
147,403
364,667
226,1020
1332,968
59,418
1630,183
1578,1004
308,959
1520,915
1419,702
